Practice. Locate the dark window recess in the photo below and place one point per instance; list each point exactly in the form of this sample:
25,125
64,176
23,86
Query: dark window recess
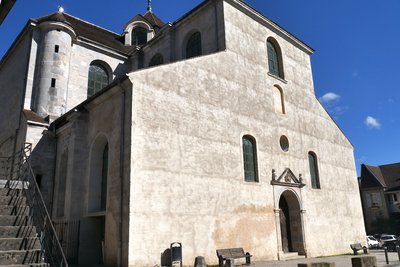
53,82
139,36
193,46
250,159
56,48
38,179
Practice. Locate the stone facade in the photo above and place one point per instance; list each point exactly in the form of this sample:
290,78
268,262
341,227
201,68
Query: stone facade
169,140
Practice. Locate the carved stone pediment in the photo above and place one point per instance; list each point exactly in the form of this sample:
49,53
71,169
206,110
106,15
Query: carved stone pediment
287,178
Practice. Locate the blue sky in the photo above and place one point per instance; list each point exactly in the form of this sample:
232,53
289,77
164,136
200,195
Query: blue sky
356,64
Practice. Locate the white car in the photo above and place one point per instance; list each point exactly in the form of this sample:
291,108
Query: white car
372,242
386,238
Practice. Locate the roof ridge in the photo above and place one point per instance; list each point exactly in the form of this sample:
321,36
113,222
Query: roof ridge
92,24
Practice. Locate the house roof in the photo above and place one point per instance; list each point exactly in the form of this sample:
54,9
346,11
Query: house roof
89,31
386,176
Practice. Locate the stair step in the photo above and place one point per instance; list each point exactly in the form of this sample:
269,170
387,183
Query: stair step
10,192
17,231
12,200
7,244
20,257
28,265
13,220
14,210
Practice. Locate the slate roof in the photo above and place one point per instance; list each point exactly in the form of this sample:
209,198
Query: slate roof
386,176
89,31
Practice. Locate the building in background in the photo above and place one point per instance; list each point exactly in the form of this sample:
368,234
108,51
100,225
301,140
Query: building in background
380,194
204,131
5,7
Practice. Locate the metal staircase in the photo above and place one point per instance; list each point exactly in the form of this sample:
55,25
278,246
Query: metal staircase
27,236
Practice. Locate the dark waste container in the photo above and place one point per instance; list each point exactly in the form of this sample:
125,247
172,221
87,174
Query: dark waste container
176,254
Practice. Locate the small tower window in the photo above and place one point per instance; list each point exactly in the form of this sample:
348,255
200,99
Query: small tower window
53,82
193,46
56,48
98,79
139,36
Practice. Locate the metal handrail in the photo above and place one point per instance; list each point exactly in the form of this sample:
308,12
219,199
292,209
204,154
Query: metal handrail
51,249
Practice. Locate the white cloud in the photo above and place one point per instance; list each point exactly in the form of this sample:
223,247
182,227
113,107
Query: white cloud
329,97
372,123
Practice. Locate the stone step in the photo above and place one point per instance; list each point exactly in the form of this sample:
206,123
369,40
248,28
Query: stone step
28,265
20,257
17,231
14,210
290,256
12,200
10,192
19,243
13,220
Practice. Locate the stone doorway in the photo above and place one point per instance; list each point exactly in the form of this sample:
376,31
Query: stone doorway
290,223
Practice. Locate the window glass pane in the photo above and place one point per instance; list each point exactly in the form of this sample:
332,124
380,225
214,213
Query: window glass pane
98,79
249,160
193,46
273,59
313,171
104,176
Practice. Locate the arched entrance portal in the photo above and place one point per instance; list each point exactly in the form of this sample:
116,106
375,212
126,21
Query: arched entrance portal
290,223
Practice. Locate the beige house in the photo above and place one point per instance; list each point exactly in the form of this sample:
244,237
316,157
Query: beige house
204,131
380,194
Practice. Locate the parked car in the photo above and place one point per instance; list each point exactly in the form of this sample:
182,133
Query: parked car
387,238
372,242
391,245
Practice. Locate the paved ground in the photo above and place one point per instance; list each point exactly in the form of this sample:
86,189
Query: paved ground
340,261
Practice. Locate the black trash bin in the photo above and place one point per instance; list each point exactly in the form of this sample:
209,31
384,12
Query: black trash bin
176,254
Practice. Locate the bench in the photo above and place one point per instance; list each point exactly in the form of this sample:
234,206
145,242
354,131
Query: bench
356,247
232,253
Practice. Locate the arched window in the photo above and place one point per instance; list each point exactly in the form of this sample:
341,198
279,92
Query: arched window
250,159
156,60
279,102
98,179
193,45
312,158
274,58
139,36
98,79
104,176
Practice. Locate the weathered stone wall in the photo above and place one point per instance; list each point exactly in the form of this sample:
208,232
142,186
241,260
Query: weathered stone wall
13,70
171,43
187,180
103,117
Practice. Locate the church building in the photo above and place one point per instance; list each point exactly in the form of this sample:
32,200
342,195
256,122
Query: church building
204,131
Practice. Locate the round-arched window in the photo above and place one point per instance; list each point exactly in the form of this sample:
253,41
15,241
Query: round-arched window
98,79
139,36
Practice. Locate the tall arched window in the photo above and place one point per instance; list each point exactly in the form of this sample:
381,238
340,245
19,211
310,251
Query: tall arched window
156,60
193,45
139,36
274,58
104,176
250,159
98,179
312,158
98,79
